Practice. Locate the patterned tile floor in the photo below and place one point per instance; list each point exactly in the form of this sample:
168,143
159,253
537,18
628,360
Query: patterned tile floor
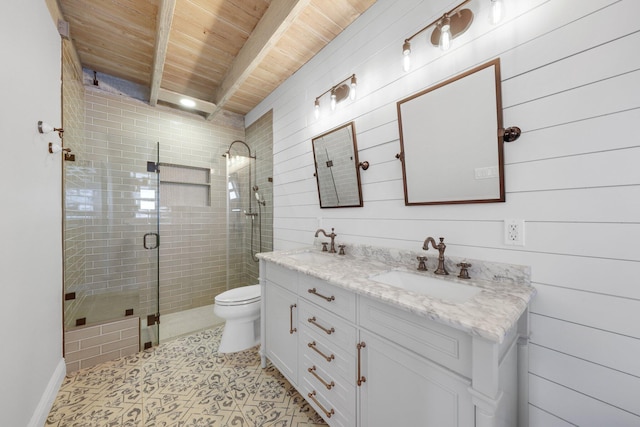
182,383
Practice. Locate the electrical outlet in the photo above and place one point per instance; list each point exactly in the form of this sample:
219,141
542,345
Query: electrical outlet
514,232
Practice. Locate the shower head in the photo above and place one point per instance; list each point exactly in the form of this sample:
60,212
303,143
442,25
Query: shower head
237,141
258,198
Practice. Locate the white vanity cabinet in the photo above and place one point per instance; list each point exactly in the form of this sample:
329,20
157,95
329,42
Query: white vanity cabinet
363,362
404,389
326,350
280,316
415,370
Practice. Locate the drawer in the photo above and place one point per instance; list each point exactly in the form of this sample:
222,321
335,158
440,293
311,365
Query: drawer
318,350
336,406
326,325
337,391
333,298
444,345
282,276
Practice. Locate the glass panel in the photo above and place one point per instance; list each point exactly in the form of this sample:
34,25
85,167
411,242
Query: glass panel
149,289
111,214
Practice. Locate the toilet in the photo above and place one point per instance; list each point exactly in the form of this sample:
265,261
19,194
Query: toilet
240,308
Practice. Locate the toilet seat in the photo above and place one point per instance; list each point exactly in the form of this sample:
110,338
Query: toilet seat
239,296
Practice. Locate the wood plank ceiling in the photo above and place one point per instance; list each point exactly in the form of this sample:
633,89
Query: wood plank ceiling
223,54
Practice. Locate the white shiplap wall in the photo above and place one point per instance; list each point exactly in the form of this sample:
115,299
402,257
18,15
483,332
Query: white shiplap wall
571,81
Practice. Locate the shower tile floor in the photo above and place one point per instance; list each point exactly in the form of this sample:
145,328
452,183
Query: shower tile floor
185,383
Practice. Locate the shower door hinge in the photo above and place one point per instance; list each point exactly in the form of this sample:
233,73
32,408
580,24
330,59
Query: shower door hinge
152,167
152,319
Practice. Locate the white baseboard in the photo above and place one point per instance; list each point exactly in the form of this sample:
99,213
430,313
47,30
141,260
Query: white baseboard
39,417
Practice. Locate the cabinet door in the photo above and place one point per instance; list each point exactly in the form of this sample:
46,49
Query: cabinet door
404,389
281,341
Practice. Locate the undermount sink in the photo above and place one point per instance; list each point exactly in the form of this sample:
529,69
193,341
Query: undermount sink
312,257
443,289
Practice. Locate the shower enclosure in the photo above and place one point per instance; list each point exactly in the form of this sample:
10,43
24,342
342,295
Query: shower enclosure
245,215
149,237
112,234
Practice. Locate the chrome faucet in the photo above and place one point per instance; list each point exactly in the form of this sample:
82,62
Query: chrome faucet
332,236
440,247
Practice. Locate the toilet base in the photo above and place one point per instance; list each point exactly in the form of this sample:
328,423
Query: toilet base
239,335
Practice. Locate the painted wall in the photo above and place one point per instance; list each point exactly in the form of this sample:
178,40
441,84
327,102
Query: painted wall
571,81
31,367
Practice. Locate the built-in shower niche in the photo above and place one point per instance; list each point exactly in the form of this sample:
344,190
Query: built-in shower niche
182,185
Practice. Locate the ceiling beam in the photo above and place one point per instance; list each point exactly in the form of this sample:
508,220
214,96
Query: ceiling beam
165,17
277,19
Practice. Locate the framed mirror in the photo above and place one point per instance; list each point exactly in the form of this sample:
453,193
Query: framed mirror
451,140
337,168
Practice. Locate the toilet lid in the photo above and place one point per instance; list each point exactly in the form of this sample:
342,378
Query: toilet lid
241,295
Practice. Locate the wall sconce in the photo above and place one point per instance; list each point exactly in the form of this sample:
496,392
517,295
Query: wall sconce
44,127
448,27
339,93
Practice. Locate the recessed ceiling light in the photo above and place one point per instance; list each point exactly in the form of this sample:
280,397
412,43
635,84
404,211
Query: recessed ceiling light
189,103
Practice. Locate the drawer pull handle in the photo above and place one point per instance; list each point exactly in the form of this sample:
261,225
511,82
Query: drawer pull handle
313,291
361,378
291,328
312,396
312,346
312,371
312,320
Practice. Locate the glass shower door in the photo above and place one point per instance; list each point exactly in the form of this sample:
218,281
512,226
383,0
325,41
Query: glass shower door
111,234
150,294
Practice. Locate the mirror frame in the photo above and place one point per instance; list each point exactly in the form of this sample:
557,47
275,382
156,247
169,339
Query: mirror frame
356,163
453,111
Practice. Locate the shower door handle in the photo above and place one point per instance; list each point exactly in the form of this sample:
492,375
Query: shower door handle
145,241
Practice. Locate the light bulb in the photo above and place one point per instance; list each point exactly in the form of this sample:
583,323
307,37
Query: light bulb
497,12
316,109
445,34
334,101
406,56
352,91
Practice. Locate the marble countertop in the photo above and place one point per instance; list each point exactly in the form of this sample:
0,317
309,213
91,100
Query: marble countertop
489,314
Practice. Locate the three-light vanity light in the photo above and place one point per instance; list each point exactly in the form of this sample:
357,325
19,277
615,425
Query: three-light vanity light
339,92
449,26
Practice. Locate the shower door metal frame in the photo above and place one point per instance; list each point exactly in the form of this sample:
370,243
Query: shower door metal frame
153,319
